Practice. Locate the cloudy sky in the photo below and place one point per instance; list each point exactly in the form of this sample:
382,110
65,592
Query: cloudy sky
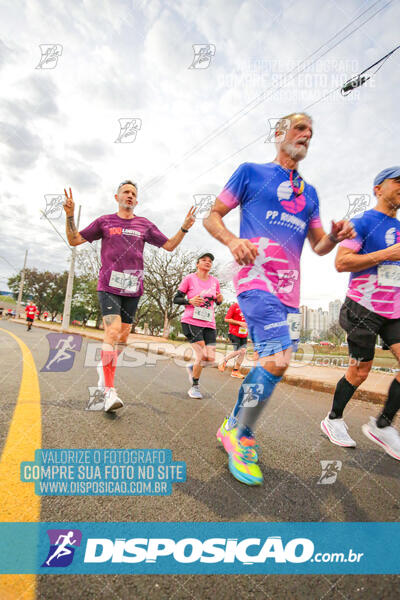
188,128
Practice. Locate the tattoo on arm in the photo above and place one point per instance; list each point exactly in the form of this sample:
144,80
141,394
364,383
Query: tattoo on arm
71,225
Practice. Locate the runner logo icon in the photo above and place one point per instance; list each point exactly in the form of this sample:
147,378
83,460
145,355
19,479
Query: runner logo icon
62,351
62,547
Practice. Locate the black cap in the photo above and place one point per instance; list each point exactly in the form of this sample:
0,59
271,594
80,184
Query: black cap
211,256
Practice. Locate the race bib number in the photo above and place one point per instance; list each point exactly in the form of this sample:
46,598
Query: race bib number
389,275
125,281
203,314
243,330
294,322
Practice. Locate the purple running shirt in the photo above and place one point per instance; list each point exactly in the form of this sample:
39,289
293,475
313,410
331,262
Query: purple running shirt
122,246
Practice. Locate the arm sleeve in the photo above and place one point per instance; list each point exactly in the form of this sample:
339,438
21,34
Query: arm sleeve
93,231
234,192
154,236
315,220
357,242
180,298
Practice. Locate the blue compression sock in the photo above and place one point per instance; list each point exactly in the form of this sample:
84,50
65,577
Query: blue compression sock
255,390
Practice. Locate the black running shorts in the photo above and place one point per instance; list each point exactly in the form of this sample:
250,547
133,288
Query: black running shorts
29,319
194,333
237,342
124,306
363,326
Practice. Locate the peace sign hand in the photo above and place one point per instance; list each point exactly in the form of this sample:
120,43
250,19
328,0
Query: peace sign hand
69,204
190,218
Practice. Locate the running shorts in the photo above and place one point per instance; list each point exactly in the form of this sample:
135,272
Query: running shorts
124,306
194,333
267,321
363,326
237,342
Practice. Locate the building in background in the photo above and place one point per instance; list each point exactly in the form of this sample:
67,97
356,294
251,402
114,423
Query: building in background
316,322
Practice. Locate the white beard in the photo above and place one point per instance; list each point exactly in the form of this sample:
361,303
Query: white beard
295,152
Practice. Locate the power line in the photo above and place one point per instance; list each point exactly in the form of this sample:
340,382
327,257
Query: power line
305,108
259,99
55,229
359,79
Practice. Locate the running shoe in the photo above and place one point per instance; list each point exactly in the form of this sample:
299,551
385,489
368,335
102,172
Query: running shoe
100,373
387,437
111,401
195,392
336,431
237,374
244,470
222,366
223,436
189,371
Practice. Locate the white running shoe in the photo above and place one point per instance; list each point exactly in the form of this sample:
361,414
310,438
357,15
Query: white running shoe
194,392
387,437
111,401
100,373
189,371
336,430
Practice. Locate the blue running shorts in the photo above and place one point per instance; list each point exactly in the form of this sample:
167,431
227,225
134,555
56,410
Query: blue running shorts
267,321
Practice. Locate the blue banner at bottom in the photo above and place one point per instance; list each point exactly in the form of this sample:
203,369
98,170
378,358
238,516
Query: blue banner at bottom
200,548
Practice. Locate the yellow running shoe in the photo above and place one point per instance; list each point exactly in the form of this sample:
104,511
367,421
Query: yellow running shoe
240,466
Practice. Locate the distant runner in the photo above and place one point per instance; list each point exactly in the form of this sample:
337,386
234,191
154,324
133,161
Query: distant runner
31,311
371,308
120,286
198,292
238,336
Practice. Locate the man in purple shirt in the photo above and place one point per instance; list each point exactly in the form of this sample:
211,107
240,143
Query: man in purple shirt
120,286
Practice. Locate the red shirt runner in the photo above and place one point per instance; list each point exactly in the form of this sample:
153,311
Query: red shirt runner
236,314
31,311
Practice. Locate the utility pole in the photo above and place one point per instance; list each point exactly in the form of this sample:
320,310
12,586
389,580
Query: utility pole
70,283
21,287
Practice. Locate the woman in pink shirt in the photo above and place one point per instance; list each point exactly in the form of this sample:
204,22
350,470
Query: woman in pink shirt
198,292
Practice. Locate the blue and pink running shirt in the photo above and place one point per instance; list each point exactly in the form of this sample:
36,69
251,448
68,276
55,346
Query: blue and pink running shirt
276,220
376,288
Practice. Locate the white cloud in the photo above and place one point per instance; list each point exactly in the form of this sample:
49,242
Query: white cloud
124,59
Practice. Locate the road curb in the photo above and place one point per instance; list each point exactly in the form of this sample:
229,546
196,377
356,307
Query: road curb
295,380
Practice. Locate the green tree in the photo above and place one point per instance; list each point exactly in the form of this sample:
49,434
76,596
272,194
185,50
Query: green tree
220,312
47,289
163,274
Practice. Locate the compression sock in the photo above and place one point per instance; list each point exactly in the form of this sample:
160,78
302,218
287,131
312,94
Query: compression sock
391,407
109,361
195,380
255,390
343,393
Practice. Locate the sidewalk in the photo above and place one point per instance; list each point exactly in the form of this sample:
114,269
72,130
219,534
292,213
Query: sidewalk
313,377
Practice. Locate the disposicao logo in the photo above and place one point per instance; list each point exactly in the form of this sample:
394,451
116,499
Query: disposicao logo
62,547
190,550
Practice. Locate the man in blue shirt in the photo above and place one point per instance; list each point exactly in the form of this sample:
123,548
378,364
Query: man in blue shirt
371,308
278,211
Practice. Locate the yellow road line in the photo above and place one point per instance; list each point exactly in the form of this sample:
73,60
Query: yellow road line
18,502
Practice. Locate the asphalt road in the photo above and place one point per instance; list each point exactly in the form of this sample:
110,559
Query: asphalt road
159,414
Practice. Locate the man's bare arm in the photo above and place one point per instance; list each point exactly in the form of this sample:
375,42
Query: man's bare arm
244,252
347,261
322,243
73,235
